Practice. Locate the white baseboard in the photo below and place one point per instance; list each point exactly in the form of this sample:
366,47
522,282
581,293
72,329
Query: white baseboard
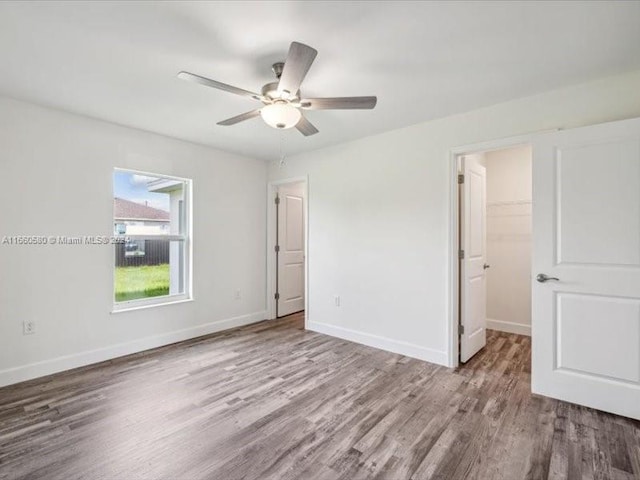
383,343
47,367
509,327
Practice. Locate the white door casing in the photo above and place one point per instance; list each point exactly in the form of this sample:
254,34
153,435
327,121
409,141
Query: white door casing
586,233
473,294
291,249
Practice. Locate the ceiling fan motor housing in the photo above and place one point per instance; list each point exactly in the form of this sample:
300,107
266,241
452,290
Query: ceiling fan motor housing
270,91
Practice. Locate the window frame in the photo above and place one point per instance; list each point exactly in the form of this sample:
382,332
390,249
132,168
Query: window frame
185,237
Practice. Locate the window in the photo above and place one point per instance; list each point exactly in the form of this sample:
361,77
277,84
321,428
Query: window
151,225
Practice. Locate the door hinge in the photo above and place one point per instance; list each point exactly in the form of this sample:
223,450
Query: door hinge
277,248
277,296
461,330
461,254
277,200
460,178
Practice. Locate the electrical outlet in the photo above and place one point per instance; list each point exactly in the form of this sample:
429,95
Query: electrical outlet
237,295
28,327
336,298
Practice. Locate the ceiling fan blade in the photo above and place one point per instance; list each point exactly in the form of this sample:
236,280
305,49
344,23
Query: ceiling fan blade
219,85
240,118
305,127
296,66
339,103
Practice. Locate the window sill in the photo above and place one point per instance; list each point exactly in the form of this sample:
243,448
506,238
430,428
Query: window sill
130,308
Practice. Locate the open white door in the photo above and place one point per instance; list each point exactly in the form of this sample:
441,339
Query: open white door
586,258
473,294
290,278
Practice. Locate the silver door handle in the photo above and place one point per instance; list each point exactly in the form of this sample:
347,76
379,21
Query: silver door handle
545,278
485,266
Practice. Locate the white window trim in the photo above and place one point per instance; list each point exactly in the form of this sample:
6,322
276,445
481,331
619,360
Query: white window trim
186,237
131,305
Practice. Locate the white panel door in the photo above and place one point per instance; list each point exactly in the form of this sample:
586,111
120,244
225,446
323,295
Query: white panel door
586,238
291,249
473,295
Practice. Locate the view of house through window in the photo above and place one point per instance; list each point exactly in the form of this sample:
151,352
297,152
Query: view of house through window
150,220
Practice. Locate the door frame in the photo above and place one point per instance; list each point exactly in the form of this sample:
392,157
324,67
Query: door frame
454,276
272,189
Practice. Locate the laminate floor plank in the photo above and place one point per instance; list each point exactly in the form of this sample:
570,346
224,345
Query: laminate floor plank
271,401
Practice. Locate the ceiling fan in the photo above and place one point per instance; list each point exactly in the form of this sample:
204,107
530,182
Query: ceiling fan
282,99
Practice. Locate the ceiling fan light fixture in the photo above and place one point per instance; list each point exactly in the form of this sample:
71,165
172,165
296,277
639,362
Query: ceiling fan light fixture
280,115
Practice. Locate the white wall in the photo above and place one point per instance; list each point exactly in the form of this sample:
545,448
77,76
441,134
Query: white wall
379,213
56,171
509,239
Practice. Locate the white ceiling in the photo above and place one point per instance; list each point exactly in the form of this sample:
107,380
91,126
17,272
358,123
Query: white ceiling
117,61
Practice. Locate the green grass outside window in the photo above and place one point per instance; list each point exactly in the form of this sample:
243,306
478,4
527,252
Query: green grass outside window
132,283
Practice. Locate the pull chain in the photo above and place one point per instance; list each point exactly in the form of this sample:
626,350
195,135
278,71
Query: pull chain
281,149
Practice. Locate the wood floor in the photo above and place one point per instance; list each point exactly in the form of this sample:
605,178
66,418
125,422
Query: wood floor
272,401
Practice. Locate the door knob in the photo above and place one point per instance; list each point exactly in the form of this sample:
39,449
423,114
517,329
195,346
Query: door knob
485,266
541,277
